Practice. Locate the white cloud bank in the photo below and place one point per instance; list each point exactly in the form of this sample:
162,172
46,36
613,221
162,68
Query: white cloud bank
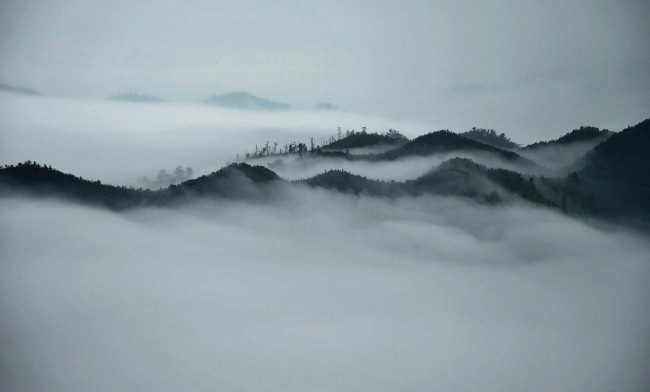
319,292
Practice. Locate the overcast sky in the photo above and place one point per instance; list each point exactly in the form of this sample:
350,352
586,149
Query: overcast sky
450,64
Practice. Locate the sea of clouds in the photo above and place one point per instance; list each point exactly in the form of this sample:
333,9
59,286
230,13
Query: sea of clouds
308,291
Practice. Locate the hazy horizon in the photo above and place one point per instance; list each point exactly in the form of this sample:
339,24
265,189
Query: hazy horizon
502,65
493,272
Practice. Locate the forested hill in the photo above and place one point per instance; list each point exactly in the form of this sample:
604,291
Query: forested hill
582,134
233,181
613,182
491,137
617,172
445,141
363,139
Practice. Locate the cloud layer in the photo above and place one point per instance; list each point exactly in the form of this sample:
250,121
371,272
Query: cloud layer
320,292
311,290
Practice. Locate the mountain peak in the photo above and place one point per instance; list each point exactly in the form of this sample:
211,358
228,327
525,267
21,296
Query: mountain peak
245,100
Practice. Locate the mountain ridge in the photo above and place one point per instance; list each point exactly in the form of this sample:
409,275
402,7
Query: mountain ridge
245,100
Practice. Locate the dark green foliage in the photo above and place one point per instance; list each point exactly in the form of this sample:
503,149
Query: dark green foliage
617,174
343,181
490,136
35,179
455,177
518,185
236,180
582,134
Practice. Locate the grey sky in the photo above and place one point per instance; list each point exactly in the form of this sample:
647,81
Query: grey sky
453,64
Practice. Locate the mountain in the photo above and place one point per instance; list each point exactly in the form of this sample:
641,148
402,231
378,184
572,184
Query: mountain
133,97
613,183
18,90
234,181
445,141
237,180
454,177
362,139
582,134
325,106
244,100
615,179
34,179
490,136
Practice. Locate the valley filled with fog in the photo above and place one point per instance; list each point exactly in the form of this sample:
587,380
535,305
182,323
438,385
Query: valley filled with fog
308,289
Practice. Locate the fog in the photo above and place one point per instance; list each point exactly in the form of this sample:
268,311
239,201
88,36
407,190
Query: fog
406,168
310,290
121,142
559,158
318,291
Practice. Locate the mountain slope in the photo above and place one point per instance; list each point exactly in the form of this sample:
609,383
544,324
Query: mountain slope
580,135
357,140
443,142
617,175
233,181
490,136
454,177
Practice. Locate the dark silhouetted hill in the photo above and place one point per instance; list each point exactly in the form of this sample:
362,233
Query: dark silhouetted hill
358,140
237,180
244,100
445,141
454,177
615,180
491,137
40,180
233,181
582,134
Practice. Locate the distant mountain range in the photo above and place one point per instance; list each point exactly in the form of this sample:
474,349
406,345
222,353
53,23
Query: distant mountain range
133,97
244,100
325,106
18,90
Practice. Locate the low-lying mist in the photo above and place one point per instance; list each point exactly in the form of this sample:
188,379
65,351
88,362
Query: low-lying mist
558,157
294,167
319,291
119,142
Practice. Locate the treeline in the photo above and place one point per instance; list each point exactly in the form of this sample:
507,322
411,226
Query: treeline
342,140
491,137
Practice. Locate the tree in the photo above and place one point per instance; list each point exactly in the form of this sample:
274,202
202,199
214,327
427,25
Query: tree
179,173
162,176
